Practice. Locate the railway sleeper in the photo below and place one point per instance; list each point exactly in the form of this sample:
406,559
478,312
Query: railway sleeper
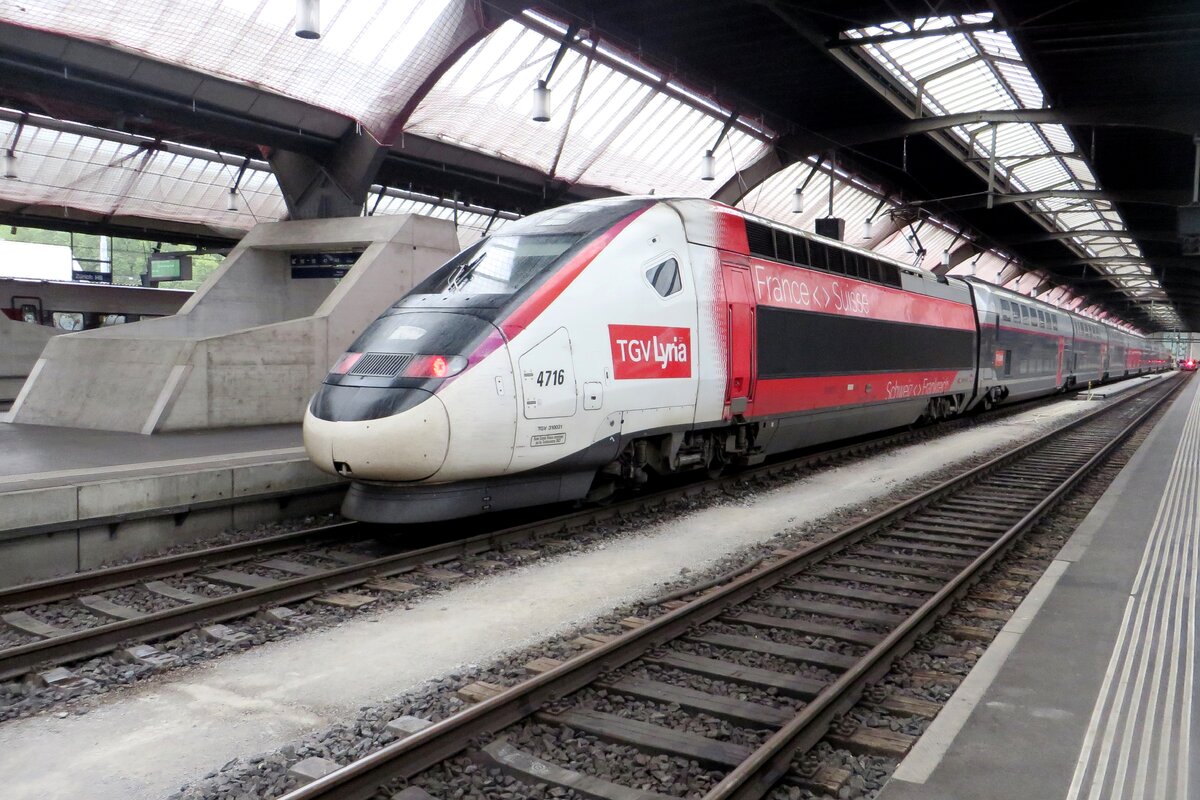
647,736
517,763
743,713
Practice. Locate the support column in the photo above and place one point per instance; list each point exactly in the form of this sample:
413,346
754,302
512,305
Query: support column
336,187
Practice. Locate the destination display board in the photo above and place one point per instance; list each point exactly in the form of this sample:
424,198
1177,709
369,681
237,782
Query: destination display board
170,267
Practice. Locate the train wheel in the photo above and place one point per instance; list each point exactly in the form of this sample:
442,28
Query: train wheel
987,404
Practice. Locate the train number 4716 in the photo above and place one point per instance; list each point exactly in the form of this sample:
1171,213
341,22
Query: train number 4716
552,377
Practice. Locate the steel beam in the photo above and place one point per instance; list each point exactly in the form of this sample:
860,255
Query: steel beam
314,191
1180,119
739,186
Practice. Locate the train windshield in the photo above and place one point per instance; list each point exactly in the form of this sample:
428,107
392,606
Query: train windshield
498,265
499,270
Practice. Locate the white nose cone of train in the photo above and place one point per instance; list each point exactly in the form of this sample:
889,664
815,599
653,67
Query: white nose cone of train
409,446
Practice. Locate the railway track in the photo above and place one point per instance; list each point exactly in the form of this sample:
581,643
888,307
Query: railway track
80,616
796,642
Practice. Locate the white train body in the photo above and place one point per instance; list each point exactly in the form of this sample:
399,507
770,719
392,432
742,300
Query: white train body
610,341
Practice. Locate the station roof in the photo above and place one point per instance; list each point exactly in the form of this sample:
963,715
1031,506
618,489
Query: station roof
1047,148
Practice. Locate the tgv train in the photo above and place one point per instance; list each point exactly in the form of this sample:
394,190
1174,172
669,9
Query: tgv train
611,341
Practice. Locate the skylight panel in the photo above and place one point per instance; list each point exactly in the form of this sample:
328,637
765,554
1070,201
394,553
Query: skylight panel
609,125
773,199
64,165
968,89
966,71
373,55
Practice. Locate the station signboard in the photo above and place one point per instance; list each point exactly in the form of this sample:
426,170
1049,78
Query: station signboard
322,265
90,276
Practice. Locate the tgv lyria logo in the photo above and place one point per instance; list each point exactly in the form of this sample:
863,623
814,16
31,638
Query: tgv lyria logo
650,351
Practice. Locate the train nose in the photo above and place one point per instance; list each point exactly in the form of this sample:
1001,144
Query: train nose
407,446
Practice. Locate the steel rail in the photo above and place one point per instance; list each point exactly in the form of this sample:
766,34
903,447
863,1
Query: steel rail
53,589
62,588
756,776
403,759
19,660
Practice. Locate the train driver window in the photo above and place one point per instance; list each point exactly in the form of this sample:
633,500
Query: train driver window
665,277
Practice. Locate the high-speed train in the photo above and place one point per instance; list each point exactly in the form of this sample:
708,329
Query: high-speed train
611,341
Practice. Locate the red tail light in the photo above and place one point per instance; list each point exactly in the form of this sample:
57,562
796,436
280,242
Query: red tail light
346,363
434,366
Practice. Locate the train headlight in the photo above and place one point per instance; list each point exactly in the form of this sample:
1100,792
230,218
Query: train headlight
435,366
346,363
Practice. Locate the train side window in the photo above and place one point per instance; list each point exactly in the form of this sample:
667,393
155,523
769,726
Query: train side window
836,263
783,246
819,254
1024,315
759,239
874,270
851,264
1041,318
665,277
800,249
891,275
1006,311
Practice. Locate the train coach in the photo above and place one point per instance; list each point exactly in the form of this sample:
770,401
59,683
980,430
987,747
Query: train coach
613,341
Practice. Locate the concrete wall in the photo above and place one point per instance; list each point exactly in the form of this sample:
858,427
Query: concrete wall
20,345
251,346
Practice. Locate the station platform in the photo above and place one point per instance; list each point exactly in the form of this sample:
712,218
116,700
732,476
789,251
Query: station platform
1089,692
73,499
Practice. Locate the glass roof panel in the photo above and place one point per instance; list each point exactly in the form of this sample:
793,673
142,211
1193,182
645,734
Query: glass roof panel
371,58
969,88
117,174
608,125
854,203
75,167
969,71
472,221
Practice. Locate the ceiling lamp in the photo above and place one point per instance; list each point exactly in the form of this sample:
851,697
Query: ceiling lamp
308,19
946,258
708,164
868,224
541,102
798,201
541,91
231,202
10,164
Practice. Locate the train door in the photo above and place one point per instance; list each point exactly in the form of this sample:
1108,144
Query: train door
740,310
1062,352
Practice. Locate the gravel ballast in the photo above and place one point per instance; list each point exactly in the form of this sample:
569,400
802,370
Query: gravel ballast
240,702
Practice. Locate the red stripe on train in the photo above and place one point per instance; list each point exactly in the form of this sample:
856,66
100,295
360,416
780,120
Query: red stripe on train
528,311
782,395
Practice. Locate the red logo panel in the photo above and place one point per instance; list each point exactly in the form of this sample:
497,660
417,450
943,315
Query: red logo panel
650,351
